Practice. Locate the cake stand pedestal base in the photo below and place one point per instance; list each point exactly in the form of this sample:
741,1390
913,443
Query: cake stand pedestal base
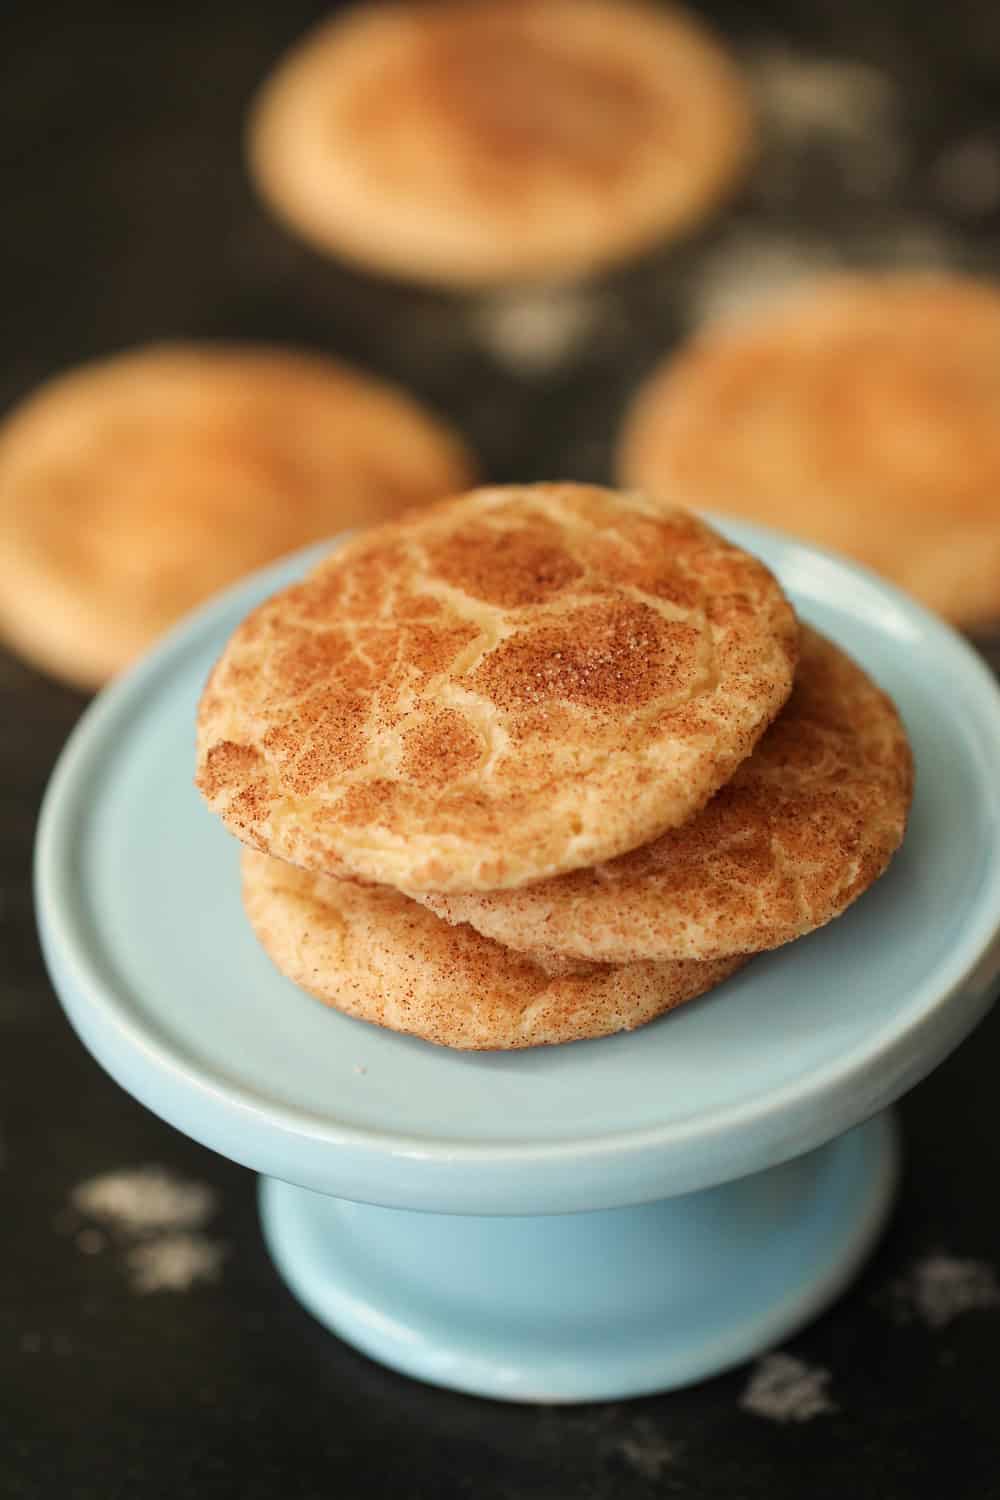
589,1306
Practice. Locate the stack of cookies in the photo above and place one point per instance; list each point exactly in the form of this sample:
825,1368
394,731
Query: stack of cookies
540,763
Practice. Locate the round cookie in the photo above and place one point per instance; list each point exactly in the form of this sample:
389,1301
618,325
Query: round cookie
495,689
863,414
376,955
478,141
806,824
133,488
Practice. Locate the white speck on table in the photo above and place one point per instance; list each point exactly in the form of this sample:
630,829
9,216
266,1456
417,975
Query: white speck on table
533,331
175,1263
646,1450
785,1389
143,1200
940,1287
754,269
161,1215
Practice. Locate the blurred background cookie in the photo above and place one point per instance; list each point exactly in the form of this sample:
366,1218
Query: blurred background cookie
478,141
381,957
863,414
134,487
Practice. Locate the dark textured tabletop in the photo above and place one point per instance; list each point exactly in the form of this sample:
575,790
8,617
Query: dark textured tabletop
147,1347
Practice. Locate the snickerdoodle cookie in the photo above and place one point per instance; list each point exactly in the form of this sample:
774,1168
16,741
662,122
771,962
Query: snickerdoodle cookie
133,488
381,957
863,414
808,822
477,141
496,689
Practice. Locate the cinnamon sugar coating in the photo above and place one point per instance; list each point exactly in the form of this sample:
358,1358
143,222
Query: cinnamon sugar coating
863,414
475,141
376,955
808,822
495,689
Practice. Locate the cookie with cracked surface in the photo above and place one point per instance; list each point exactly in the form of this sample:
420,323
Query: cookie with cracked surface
495,689
863,414
134,487
808,822
478,141
379,956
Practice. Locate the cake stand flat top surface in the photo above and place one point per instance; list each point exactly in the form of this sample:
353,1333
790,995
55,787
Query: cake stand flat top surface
139,904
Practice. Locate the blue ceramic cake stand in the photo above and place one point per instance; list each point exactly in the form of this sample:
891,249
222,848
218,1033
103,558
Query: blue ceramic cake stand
588,1221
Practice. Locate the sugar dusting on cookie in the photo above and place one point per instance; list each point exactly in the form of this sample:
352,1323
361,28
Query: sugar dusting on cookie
785,1389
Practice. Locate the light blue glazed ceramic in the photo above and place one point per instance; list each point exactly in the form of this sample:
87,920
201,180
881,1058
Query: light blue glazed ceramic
685,1195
